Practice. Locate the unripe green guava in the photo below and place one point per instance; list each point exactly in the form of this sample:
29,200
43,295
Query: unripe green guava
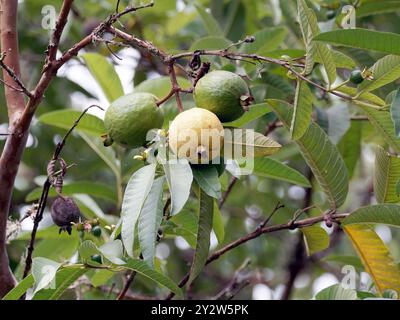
223,93
129,118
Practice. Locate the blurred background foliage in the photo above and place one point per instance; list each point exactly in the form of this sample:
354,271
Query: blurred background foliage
176,26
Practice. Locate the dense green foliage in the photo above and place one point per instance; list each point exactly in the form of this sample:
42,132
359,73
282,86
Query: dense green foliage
331,147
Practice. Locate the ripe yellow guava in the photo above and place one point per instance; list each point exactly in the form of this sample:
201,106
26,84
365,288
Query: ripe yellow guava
197,135
224,93
129,119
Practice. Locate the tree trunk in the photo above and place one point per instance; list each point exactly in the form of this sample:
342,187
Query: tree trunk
15,144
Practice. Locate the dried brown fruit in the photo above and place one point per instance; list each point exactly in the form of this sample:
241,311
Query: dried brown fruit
64,212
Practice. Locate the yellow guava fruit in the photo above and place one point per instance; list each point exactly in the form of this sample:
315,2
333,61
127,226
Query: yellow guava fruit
197,135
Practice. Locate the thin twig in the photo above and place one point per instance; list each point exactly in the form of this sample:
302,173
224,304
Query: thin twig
12,74
45,192
128,283
257,233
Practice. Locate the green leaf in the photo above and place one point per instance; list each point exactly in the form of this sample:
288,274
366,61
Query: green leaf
375,256
387,174
90,188
44,271
160,86
218,224
302,110
384,71
306,32
206,208
315,238
270,168
207,178
212,26
136,191
255,111
210,43
100,277
346,260
86,250
338,121
382,122
179,177
388,214
366,96
150,221
65,119
310,29
266,39
341,60
371,8
336,292
321,155
385,42
350,146
91,210
395,113
106,154
65,277
113,251
143,268
249,143
20,288
105,75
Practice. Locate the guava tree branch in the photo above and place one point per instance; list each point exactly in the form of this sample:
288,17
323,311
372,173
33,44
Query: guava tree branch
21,114
290,225
56,36
15,105
45,192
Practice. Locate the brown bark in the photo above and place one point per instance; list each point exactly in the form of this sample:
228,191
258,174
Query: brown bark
15,144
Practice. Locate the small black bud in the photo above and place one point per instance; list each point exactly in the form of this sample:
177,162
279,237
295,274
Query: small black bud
250,39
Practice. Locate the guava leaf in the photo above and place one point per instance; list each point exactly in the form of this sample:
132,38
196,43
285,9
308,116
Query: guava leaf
388,214
273,169
207,178
315,238
105,75
321,155
385,42
150,221
179,177
206,211
387,174
302,110
136,191
375,256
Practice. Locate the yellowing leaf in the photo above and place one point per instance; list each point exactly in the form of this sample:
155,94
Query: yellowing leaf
375,256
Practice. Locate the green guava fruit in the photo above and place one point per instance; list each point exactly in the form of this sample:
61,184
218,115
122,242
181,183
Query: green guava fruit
97,258
197,135
129,119
96,231
223,93
356,76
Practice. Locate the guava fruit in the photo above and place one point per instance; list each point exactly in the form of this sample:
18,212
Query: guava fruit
356,76
224,93
129,118
64,212
197,135
96,231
